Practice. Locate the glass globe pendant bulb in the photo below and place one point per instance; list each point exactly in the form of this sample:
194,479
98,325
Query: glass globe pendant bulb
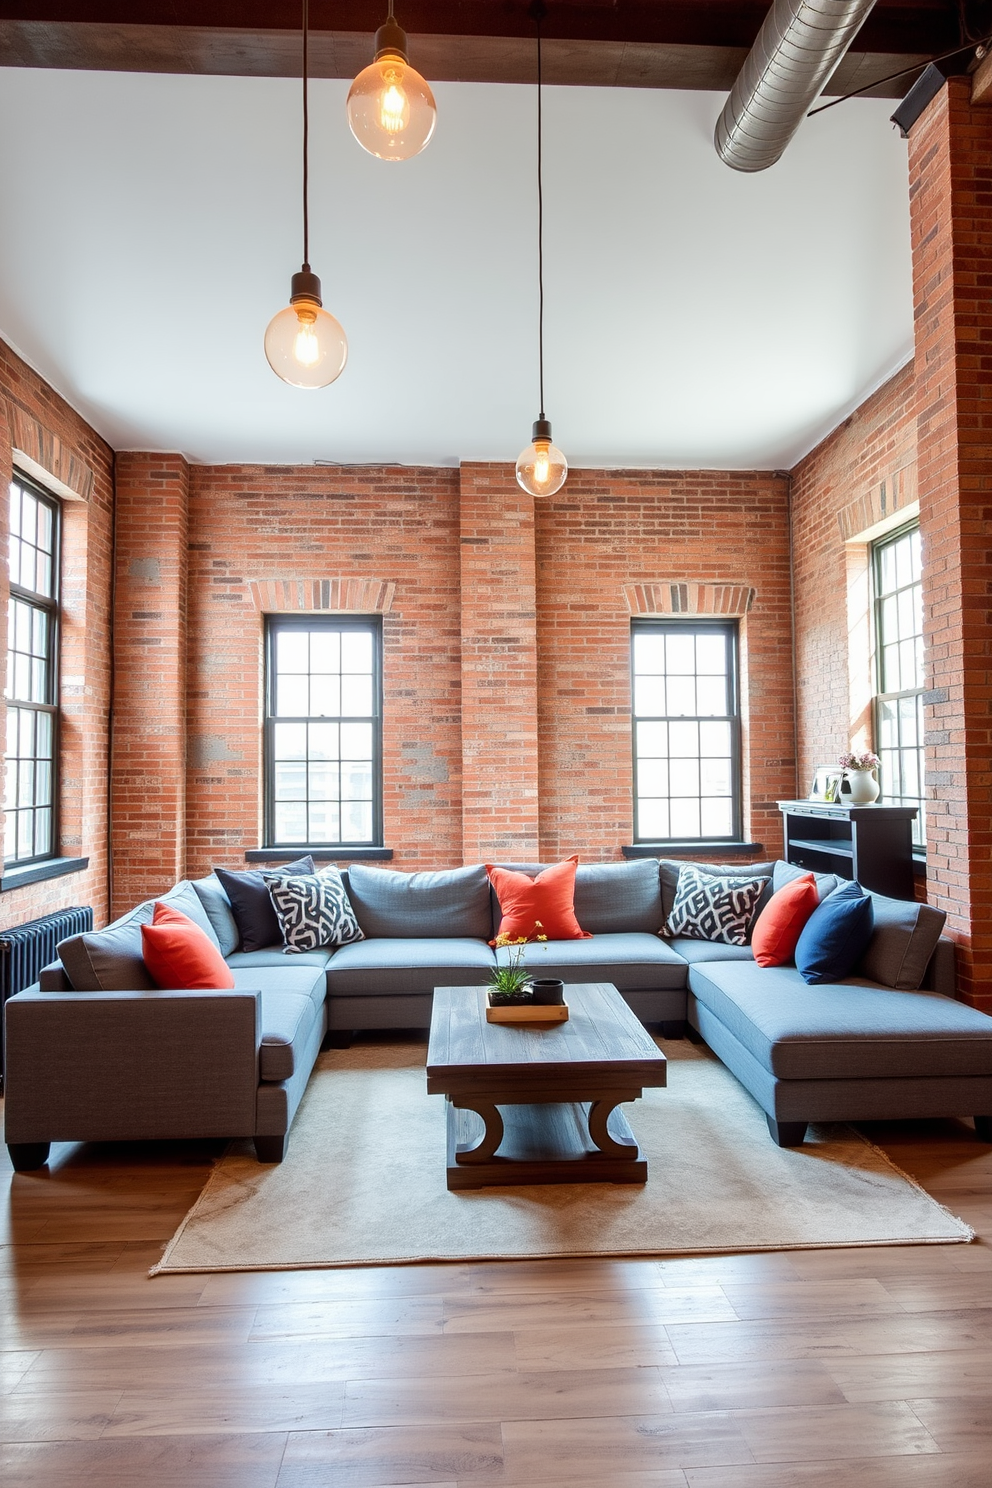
541,467
391,109
304,344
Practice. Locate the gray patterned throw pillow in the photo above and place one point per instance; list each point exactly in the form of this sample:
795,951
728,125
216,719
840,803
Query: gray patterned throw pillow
710,908
314,911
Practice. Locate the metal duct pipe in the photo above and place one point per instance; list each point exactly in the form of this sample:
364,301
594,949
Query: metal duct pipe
797,48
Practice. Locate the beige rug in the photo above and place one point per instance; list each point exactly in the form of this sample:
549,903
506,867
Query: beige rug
363,1183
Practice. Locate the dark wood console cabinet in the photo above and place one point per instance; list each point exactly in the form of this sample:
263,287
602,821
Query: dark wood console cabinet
873,844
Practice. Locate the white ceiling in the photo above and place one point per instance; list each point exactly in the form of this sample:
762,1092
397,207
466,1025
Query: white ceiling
695,317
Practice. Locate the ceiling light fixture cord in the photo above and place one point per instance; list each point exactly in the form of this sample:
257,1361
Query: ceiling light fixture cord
539,13
306,137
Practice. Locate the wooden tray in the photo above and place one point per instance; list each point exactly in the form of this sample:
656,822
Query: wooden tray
524,1012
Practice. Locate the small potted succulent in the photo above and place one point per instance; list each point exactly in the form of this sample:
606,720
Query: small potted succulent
861,776
509,985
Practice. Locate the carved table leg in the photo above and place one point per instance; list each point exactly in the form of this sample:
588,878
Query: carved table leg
599,1114
486,1148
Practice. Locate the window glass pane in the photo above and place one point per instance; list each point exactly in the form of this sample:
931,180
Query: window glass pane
684,775
43,782
325,650
325,822
356,782
680,653
711,696
324,741
44,726
714,777
652,819
899,721
14,560
356,651
649,652
324,780
292,696
25,834
356,821
652,777
290,741
681,697
291,781
685,818
29,518
652,739
325,696
43,832
356,741
715,739
292,651
683,740
649,696
291,821
711,655
356,696
715,817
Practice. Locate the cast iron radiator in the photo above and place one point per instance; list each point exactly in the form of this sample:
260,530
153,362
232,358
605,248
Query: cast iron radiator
25,949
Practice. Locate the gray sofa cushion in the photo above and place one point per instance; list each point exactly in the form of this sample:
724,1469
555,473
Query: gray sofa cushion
843,1030
612,898
631,962
217,907
109,960
276,956
185,898
421,906
285,1019
903,940
694,951
669,873
379,966
306,981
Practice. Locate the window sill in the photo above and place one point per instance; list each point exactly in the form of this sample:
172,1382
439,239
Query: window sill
692,849
319,854
16,878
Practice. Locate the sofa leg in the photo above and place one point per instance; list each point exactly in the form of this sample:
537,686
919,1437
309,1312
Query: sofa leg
983,1128
338,1038
270,1149
26,1157
786,1133
674,1028
693,1034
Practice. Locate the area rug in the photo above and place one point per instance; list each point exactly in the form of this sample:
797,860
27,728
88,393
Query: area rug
363,1182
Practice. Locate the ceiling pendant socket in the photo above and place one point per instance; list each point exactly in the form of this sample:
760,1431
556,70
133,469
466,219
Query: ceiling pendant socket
305,286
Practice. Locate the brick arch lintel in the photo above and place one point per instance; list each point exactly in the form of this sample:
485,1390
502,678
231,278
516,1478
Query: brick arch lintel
347,596
45,457
684,597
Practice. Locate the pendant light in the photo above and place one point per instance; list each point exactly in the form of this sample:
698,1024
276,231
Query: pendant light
305,345
541,468
391,108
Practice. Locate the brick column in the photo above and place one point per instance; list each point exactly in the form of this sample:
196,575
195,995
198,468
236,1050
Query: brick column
950,162
499,668
149,720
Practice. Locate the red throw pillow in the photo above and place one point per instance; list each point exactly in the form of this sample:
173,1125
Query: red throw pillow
778,927
537,908
179,955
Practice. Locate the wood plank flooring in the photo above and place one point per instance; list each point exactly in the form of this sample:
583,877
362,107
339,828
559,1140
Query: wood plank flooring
862,1368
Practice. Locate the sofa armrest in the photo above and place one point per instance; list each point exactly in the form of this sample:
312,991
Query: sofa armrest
130,1066
53,978
940,973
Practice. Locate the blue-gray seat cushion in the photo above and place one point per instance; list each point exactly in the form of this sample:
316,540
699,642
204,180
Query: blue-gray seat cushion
390,966
453,903
844,1030
632,962
276,956
291,1002
695,951
301,981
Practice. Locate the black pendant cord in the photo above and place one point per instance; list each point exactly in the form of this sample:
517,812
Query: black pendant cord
905,72
306,137
540,222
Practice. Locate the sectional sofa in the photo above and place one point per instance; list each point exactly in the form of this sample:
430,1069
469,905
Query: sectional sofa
97,1052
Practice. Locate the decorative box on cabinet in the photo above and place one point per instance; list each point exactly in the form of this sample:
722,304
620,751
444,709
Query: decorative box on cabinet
873,844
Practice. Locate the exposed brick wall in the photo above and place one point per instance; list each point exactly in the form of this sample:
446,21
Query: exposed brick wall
859,466
500,794
263,526
607,531
34,419
951,219
149,729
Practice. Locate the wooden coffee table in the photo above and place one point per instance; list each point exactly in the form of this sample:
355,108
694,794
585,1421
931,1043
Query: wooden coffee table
536,1103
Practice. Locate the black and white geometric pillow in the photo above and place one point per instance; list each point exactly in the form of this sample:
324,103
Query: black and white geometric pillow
711,907
314,911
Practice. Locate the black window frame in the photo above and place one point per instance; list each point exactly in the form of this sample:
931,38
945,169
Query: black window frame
696,624
51,606
879,696
274,625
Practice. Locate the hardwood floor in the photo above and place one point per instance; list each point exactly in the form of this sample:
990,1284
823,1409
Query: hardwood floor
864,1368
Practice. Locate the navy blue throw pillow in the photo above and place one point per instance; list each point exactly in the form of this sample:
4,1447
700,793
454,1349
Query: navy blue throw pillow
836,935
251,906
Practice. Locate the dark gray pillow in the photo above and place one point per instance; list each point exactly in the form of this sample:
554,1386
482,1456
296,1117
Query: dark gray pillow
217,908
417,906
613,898
248,893
787,873
669,869
109,960
185,898
903,940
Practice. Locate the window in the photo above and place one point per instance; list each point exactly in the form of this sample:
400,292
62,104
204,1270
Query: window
323,732
30,832
686,731
897,569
